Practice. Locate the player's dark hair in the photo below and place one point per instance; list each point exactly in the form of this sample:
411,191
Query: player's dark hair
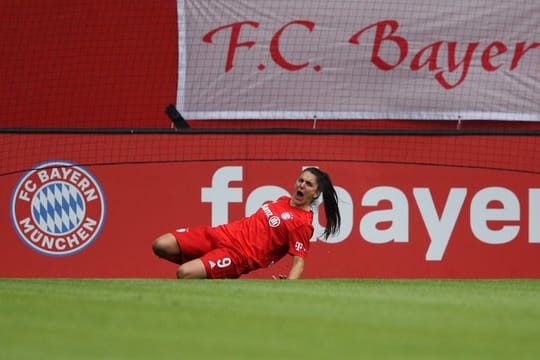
330,201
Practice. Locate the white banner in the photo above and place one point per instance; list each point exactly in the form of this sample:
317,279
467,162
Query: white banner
359,59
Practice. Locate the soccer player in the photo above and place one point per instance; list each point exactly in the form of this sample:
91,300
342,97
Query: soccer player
276,229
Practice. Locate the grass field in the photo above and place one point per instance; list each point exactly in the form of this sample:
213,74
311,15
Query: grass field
266,319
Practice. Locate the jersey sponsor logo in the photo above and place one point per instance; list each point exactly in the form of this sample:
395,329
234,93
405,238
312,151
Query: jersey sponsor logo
58,208
267,211
298,246
274,221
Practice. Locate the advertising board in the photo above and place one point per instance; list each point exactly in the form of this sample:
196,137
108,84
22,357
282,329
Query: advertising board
71,218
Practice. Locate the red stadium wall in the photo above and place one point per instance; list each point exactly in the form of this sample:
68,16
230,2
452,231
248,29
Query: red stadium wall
87,64
413,206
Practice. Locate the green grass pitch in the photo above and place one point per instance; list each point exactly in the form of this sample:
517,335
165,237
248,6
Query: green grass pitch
267,319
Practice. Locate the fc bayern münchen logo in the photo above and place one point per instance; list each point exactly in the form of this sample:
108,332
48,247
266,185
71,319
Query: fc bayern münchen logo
58,208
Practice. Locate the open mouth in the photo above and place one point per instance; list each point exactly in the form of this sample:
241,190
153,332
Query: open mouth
299,194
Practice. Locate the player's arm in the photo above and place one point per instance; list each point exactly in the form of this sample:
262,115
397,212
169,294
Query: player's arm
297,268
296,271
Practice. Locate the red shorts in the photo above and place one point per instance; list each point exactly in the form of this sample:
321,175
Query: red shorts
202,243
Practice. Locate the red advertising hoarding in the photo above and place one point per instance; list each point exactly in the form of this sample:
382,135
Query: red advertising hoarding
75,213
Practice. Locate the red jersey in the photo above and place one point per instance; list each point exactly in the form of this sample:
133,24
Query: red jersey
276,229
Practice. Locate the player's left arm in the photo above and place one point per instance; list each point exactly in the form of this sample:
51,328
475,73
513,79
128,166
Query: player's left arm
298,248
297,268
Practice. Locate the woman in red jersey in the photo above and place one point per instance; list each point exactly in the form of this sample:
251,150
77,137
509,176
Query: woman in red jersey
276,229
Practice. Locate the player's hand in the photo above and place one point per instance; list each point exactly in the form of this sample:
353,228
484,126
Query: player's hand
279,277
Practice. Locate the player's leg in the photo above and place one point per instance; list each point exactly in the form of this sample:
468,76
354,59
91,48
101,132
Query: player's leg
183,245
193,269
166,247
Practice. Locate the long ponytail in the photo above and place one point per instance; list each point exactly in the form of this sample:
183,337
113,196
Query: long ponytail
330,201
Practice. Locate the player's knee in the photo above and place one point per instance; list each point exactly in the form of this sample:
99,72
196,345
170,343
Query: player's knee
182,273
156,248
160,247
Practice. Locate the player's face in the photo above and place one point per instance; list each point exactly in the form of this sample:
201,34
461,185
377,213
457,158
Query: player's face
305,189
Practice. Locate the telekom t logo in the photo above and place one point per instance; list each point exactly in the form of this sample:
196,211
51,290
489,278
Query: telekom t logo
220,194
